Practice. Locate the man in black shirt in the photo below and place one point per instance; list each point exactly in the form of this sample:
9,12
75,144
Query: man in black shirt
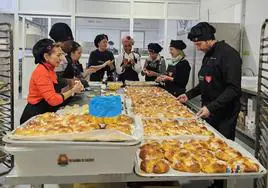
219,82
102,56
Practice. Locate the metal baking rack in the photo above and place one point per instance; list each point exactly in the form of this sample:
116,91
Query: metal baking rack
262,107
6,92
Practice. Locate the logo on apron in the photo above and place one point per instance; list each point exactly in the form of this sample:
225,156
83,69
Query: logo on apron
208,78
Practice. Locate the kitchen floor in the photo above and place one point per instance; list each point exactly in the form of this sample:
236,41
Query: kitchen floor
245,183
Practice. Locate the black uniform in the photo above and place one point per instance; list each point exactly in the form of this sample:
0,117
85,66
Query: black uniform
180,73
220,87
73,69
129,73
98,58
154,66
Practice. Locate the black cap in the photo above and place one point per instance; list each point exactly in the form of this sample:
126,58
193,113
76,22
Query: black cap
154,47
99,38
203,31
61,32
40,48
178,44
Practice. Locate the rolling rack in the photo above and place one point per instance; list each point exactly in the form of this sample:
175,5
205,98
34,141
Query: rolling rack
6,92
262,106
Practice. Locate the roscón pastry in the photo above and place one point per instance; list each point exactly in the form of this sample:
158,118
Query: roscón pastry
158,127
154,166
55,124
195,156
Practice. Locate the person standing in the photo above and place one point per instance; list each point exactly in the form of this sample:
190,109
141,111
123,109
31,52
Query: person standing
128,65
219,82
74,68
178,70
101,56
62,34
155,64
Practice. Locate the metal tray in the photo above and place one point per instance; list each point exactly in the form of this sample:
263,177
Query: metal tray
67,138
174,173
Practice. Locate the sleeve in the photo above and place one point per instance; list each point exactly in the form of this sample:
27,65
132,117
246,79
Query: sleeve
92,59
118,63
137,66
80,66
110,69
182,74
47,90
194,92
69,71
163,68
231,71
144,67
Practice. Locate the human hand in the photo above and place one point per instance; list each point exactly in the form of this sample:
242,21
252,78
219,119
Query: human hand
78,87
151,73
182,98
109,62
125,62
91,70
203,112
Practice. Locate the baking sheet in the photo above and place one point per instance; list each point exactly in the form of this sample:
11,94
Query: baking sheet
140,83
185,136
174,173
129,110
94,135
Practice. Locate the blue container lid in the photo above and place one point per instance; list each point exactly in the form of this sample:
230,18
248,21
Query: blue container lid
105,106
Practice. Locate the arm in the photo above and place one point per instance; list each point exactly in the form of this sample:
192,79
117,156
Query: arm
111,68
231,69
163,67
144,68
194,92
182,74
47,90
92,60
137,66
118,63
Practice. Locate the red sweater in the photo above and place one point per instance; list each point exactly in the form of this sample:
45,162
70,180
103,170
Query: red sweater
42,86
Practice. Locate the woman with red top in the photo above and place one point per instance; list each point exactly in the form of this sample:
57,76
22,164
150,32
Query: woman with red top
45,95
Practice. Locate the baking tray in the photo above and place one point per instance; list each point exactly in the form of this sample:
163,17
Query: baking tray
174,173
129,109
140,83
209,127
92,136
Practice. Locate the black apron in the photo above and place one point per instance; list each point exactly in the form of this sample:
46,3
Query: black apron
129,73
225,119
41,107
152,66
170,86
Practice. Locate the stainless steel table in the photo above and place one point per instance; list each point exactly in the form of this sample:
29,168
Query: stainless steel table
39,181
